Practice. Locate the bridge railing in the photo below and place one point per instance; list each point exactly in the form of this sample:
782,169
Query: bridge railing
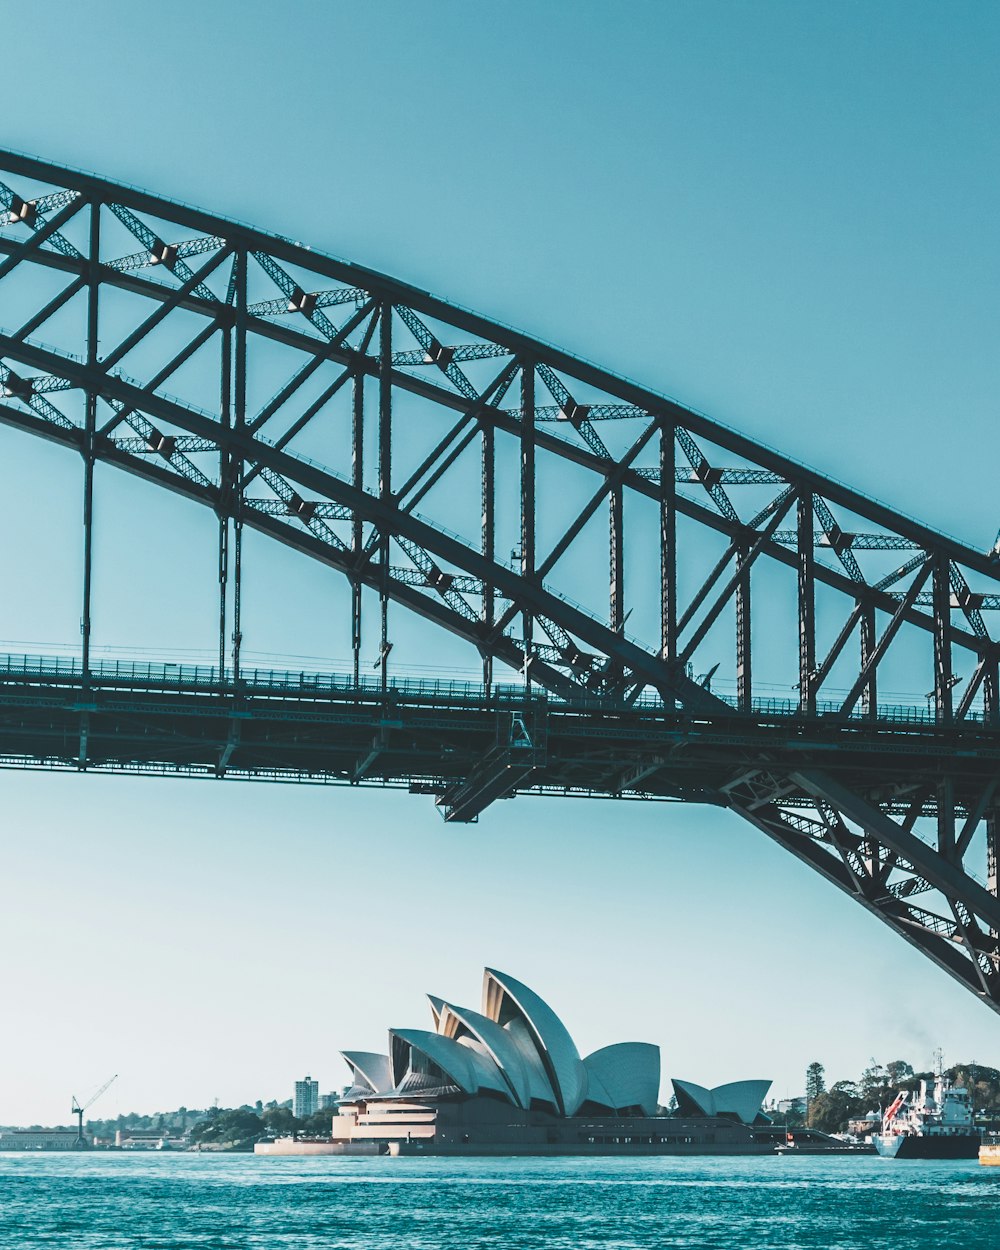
206,679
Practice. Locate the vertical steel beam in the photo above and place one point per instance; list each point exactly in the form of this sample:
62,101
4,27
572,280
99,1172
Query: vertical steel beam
385,472
225,487
869,696
528,499
744,661
616,557
668,542
488,484
941,595
89,441
357,526
807,605
240,417
89,433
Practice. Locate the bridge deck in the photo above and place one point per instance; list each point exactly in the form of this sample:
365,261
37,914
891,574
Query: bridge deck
434,736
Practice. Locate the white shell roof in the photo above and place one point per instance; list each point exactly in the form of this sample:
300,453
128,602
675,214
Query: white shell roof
523,1039
626,1074
526,1079
518,1047
701,1097
470,1069
505,998
742,1099
369,1069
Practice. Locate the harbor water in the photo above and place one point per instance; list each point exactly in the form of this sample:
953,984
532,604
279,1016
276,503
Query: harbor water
240,1202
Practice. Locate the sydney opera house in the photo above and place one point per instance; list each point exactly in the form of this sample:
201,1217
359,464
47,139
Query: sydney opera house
508,1079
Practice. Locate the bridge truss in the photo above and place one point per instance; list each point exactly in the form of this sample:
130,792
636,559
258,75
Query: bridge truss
542,511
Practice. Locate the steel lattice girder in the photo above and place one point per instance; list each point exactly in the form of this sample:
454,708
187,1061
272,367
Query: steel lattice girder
253,291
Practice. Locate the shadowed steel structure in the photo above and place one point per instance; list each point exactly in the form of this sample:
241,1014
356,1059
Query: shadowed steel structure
542,511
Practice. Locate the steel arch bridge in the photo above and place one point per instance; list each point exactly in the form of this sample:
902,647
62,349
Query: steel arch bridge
542,511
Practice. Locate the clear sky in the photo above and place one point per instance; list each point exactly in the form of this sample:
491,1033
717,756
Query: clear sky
783,214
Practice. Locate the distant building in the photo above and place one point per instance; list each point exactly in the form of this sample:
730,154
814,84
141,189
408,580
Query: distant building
38,1139
329,1102
306,1098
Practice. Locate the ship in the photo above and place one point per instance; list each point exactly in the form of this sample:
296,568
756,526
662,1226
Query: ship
937,1123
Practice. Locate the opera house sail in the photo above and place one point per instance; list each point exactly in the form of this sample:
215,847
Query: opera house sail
508,1079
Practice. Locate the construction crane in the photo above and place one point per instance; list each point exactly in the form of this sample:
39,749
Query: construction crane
78,1110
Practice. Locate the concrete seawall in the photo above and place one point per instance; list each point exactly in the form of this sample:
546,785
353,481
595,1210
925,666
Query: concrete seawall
286,1146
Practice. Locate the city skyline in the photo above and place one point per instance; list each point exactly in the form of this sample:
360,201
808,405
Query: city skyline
786,223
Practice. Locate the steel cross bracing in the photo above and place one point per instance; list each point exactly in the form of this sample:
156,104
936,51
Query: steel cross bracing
547,514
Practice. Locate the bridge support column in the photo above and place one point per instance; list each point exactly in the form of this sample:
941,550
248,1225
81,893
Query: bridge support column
668,542
357,526
616,558
225,491
384,475
807,606
943,683
744,664
869,695
528,501
488,495
89,433
236,462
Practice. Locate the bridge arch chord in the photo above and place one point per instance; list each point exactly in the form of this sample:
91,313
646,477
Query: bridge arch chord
517,496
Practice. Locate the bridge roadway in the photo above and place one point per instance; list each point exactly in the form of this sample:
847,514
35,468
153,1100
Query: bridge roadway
457,741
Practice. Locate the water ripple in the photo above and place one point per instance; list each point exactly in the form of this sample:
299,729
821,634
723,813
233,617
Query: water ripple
199,1202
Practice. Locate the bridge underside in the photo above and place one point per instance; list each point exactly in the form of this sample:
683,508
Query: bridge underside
406,446
436,735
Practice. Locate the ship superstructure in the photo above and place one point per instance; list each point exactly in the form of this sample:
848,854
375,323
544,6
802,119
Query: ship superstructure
936,1123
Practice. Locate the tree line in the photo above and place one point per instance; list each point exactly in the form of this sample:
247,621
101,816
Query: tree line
240,1127
218,1126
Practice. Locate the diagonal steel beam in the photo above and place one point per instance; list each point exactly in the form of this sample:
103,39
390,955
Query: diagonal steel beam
945,875
890,631
945,952
32,246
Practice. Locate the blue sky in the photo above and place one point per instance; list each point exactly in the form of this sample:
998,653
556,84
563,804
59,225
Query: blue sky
782,214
